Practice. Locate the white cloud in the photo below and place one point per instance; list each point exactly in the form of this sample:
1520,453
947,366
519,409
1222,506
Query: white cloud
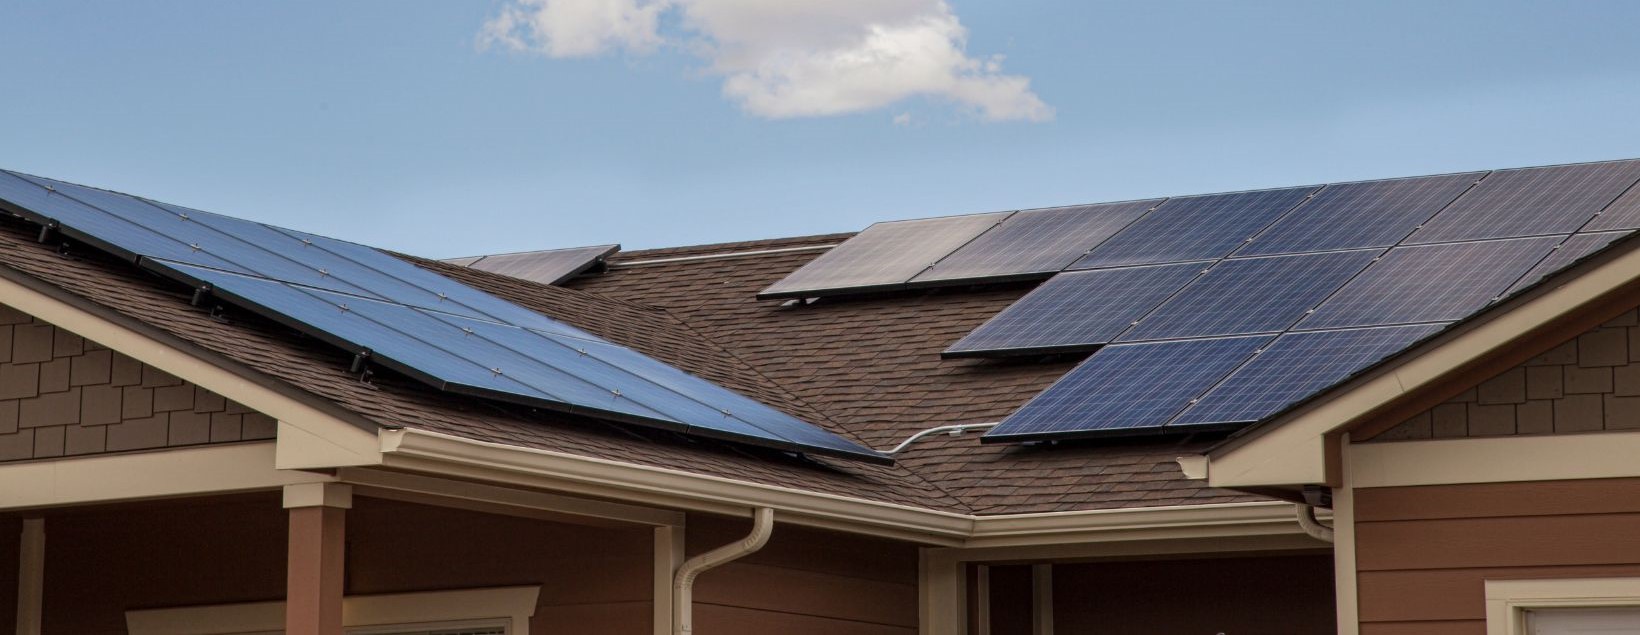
788,58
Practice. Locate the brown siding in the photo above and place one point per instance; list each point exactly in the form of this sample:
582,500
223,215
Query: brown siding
1423,554
1276,595
1588,384
62,395
805,581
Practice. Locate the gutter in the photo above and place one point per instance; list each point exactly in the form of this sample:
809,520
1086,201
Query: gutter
436,453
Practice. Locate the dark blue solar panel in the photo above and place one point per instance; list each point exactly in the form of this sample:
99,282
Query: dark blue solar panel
1251,295
884,256
412,320
1127,387
1623,213
137,226
1296,366
460,354
1194,228
1357,215
1530,202
1076,310
1430,283
1565,254
1036,241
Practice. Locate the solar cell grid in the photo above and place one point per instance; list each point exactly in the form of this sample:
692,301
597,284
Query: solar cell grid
885,255
1251,295
552,266
1296,366
1357,215
1194,228
1430,283
1036,241
1623,213
1530,202
1566,253
1127,387
1076,310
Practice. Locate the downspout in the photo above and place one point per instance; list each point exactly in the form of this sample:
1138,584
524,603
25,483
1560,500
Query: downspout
683,583
1311,526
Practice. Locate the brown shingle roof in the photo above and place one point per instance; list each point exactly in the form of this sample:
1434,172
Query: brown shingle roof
872,365
318,369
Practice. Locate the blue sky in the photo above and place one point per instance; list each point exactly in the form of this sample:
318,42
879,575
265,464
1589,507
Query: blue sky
387,123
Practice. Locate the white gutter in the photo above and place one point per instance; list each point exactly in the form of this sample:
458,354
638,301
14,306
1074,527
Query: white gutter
683,584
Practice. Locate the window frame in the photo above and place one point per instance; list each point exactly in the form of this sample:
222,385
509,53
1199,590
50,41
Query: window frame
507,607
1509,601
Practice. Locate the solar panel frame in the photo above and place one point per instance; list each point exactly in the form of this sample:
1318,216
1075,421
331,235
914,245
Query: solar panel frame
1204,227
857,265
1623,213
1360,215
1530,202
1296,365
1121,385
1076,311
1576,247
550,266
1033,244
1243,296
1430,283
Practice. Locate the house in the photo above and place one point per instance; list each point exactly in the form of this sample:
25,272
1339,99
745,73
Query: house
1404,406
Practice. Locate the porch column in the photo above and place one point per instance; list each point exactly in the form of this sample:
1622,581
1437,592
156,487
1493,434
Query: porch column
31,573
314,570
942,594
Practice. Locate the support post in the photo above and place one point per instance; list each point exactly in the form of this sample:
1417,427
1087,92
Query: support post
31,576
942,596
315,560
1042,599
669,551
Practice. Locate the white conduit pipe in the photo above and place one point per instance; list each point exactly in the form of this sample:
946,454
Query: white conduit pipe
683,583
1311,526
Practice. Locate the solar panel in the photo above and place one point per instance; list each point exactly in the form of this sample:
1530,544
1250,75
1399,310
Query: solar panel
1566,253
1530,202
1357,215
884,256
552,266
1075,310
464,262
1194,228
1125,388
1036,242
1296,366
133,227
411,320
1251,295
1623,213
1430,283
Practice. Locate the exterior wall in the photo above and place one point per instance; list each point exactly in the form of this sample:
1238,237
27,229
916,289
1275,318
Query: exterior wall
805,582
61,395
1280,595
1588,384
1423,553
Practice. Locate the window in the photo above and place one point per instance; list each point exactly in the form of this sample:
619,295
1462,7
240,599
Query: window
1573,606
495,611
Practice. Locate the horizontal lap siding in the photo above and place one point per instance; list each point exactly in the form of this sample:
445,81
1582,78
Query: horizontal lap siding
1423,554
805,581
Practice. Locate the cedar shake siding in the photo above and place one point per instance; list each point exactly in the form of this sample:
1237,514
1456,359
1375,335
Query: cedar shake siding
1587,384
62,395
1423,554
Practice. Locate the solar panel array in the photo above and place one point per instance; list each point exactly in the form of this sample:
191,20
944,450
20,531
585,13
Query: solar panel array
884,256
1035,242
551,266
407,319
1345,276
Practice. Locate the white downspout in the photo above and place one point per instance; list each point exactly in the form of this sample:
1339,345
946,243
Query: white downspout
683,583
1313,527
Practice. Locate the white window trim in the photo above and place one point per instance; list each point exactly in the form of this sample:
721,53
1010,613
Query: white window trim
1507,601
511,607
